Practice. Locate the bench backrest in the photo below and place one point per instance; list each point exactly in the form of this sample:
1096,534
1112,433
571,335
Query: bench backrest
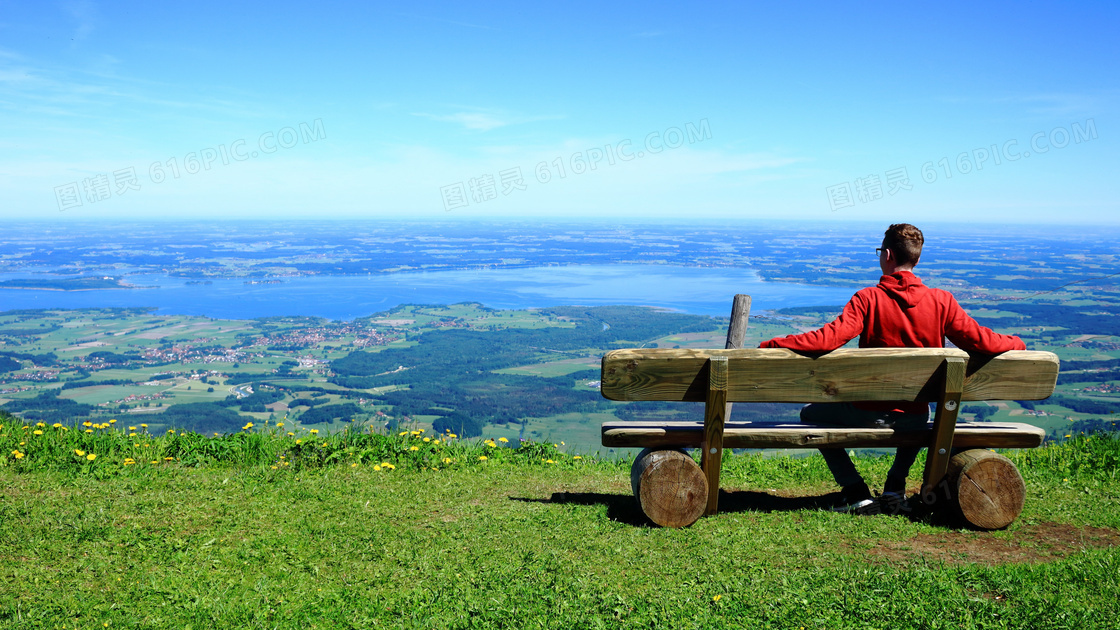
778,375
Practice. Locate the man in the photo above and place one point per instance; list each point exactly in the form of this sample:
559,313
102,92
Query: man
899,312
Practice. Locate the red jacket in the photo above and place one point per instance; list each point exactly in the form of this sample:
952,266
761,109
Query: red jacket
901,312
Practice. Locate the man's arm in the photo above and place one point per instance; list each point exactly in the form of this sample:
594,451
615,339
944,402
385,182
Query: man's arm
968,335
829,337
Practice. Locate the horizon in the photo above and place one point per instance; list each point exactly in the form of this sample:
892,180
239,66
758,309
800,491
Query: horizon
505,113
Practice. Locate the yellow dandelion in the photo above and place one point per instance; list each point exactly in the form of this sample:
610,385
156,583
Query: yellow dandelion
143,426
377,468
314,431
452,435
40,424
79,452
549,461
168,459
57,425
435,441
482,458
351,465
299,441
16,454
38,432
91,457
578,457
716,598
272,467
171,430
503,440
248,425
154,461
279,424
414,448
87,423
133,434
89,430
427,439
403,433
291,434
131,428
113,421
414,432
136,444
447,460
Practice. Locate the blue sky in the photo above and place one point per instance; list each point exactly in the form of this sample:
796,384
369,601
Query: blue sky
724,112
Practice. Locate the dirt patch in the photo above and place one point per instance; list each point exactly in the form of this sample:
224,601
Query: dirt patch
1044,542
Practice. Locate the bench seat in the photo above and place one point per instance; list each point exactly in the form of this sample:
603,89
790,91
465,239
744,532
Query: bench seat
774,435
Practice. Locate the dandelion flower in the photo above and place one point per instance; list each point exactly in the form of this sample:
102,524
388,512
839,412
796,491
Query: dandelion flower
131,428
549,461
716,598
16,454
79,452
113,421
414,448
91,457
503,440
143,426
171,430
403,433
482,458
167,459
578,457
291,434
136,445
89,430
133,434
57,425
40,424
427,439
299,442
39,432
351,465
314,431
279,424
87,423
377,468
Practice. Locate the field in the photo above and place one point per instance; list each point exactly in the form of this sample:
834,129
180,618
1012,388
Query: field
362,530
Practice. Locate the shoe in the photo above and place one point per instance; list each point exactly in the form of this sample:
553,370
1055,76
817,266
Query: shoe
856,500
894,503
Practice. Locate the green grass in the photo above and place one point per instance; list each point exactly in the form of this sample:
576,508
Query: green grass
224,534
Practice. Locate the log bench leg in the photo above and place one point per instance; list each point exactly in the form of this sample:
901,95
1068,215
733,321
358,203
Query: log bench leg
985,489
670,487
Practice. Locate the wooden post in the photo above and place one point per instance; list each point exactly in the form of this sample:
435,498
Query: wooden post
737,331
714,411
944,422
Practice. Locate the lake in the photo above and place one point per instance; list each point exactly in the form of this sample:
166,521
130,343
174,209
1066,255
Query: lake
697,290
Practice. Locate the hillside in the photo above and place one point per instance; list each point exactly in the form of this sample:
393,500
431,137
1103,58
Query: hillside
263,529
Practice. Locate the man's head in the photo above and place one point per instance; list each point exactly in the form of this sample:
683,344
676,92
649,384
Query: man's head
905,244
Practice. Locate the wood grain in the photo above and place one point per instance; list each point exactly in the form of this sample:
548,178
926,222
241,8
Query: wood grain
778,375
773,435
986,488
670,487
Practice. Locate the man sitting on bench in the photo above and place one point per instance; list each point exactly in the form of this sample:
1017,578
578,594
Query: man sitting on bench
899,312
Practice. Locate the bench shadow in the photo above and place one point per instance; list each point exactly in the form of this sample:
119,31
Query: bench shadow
623,508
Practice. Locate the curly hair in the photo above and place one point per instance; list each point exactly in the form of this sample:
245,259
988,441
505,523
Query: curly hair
905,241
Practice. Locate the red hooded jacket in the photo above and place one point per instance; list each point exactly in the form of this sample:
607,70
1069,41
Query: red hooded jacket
901,312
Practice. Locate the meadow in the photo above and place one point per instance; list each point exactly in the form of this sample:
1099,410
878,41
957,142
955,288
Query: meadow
111,526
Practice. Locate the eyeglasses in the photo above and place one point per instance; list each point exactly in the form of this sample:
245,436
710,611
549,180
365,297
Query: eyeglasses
879,251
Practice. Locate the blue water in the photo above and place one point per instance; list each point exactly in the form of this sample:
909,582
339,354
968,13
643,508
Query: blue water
705,291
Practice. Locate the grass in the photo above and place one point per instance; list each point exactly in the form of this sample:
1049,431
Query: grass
225,534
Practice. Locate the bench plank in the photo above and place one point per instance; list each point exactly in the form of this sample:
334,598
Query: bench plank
775,435
779,375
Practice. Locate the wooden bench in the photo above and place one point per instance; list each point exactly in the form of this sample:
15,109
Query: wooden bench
983,487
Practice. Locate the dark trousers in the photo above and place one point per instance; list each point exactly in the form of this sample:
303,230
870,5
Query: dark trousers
847,415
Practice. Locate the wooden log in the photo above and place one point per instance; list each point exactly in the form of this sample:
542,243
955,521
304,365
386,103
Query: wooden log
985,489
863,374
670,487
